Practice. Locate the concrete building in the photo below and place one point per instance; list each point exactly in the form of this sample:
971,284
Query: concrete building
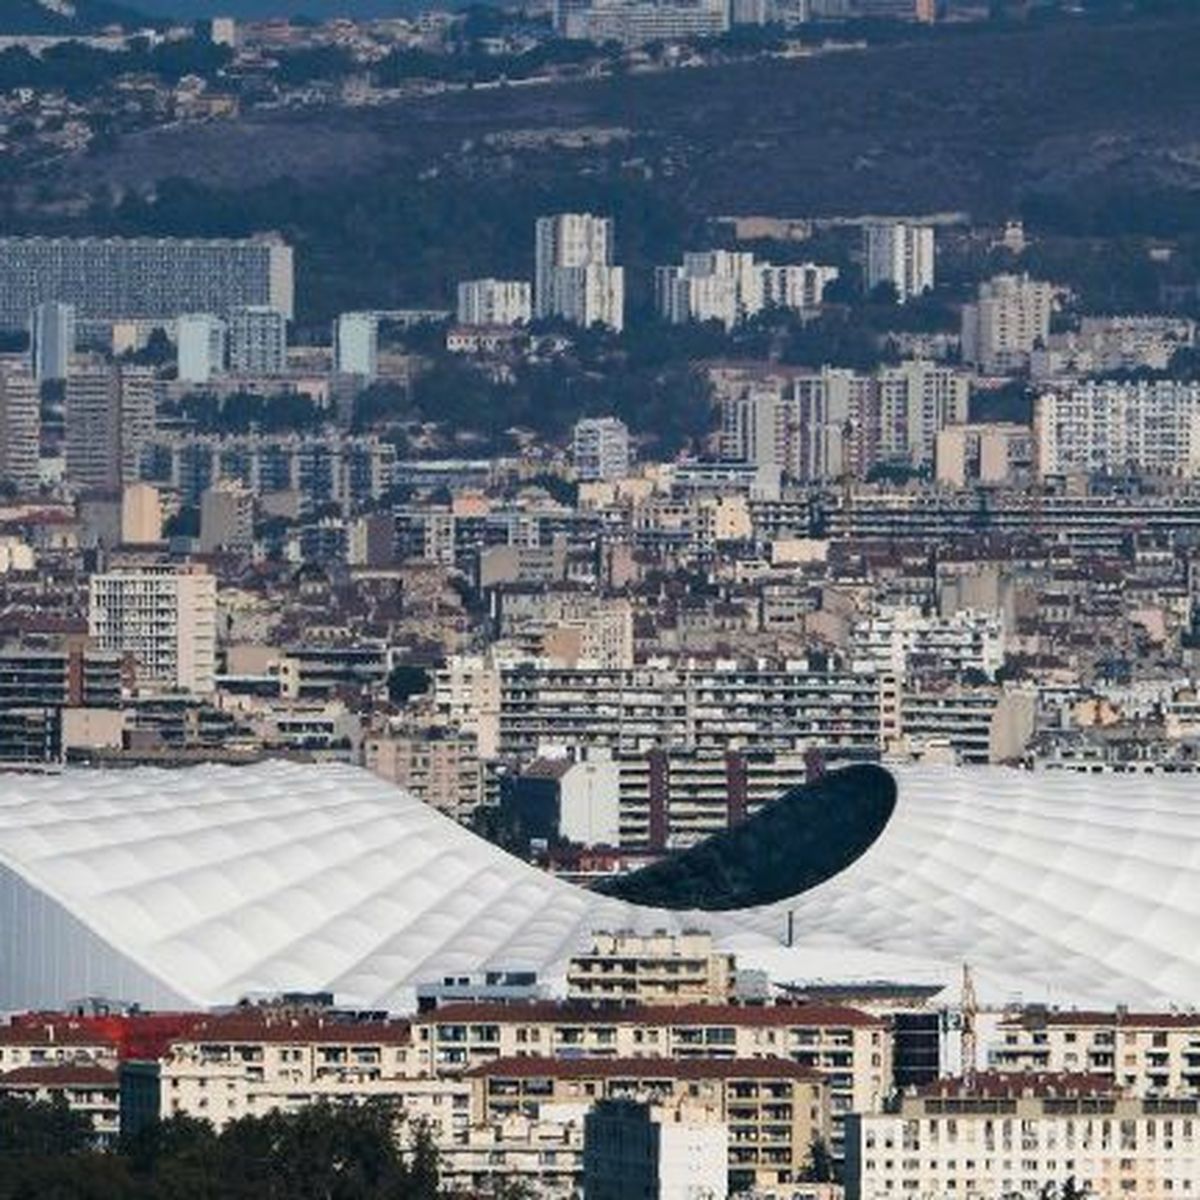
1108,345
110,420
356,345
52,340
672,1151
165,617
226,517
257,341
638,22
87,1088
439,767
20,430
659,968
1013,1135
1008,321
109,279
600,449
141,515
901,254
904,641
200,340
991,455
493,302
574,275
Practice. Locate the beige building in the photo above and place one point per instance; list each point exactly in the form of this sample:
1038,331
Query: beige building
1014,1136
85,1088
1008,321
659,968
20,429
226,517
141,515
110,418
439,767
989,454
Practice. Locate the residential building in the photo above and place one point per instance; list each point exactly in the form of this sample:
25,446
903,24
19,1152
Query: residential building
52,340
88,1089
648,969
226,517
20,430
356,345
991,455
257,341
901,254
600,449
639,22
1008,321
1013,1135
200,340
905,641
440,767
110,420
574,277
109,279
164,616
141,515
1107,345
492,302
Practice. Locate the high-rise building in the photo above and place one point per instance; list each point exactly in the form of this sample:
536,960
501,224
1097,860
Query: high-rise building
574,276
600,449
200,345
141,515
494,302
900,254
226,517
165,617
637,22
110,420
52,340
257,341
356,344
20,429
1008,321
109,279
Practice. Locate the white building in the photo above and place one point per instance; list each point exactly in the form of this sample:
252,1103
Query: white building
637,22
494,302
1104,345
20,429
1008,321
257,341
900,254
52,340
200,346
600,449
1117,427
165,617
898,641
356,344
574,275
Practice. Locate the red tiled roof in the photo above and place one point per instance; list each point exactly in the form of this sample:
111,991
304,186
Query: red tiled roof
54,1033
582,1013
59,1075
240,1028
644,1068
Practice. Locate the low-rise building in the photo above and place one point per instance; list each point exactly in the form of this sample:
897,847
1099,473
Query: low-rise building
658,968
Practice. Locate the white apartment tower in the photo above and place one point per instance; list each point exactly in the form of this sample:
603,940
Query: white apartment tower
165,617
200,346
574,276
898,253
494,302
1008,321
20,429
257,341
52,340
356,344
600,449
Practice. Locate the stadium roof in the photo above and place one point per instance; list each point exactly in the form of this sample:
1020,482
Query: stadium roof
198,886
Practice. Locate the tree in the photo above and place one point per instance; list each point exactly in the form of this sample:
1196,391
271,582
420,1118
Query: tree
406,681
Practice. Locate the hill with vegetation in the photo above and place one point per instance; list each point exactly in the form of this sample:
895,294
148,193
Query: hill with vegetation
65,17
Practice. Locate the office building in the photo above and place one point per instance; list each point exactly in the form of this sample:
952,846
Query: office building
257,341
1009,320
600,449
52,340
489,302
111,279
575,279
356,345
165,617
20,429
200,342
901,254
110,421
141,515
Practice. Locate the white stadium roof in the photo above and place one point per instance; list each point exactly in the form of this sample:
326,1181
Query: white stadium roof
195,887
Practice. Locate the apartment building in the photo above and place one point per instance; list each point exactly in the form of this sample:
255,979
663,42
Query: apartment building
52,340
110,423
905,641
639,22
200,342
164,617
574,275
1013,1135
901,254
109,279
600,449
55,1042
439,767
774,1110
1009,320
494,302
494,1158
20,430
1114,428
648,969
87,1089
1145,1054
257,340
993,455
1106,345
356,345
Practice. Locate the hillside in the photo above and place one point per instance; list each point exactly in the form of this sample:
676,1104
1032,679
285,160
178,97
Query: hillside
58,17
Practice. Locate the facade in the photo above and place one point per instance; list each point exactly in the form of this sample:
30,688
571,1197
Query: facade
1009,320
901,254
637,22
109,279
901,642
257,341
992,455
494,302
85,1088
664,968
110,420
441,768
356,344
165,617
226,517
20,429
1105,427
574,275
52,340
141,515
200,340
600,449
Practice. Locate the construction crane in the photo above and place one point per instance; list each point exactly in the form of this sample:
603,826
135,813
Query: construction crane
970,1012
